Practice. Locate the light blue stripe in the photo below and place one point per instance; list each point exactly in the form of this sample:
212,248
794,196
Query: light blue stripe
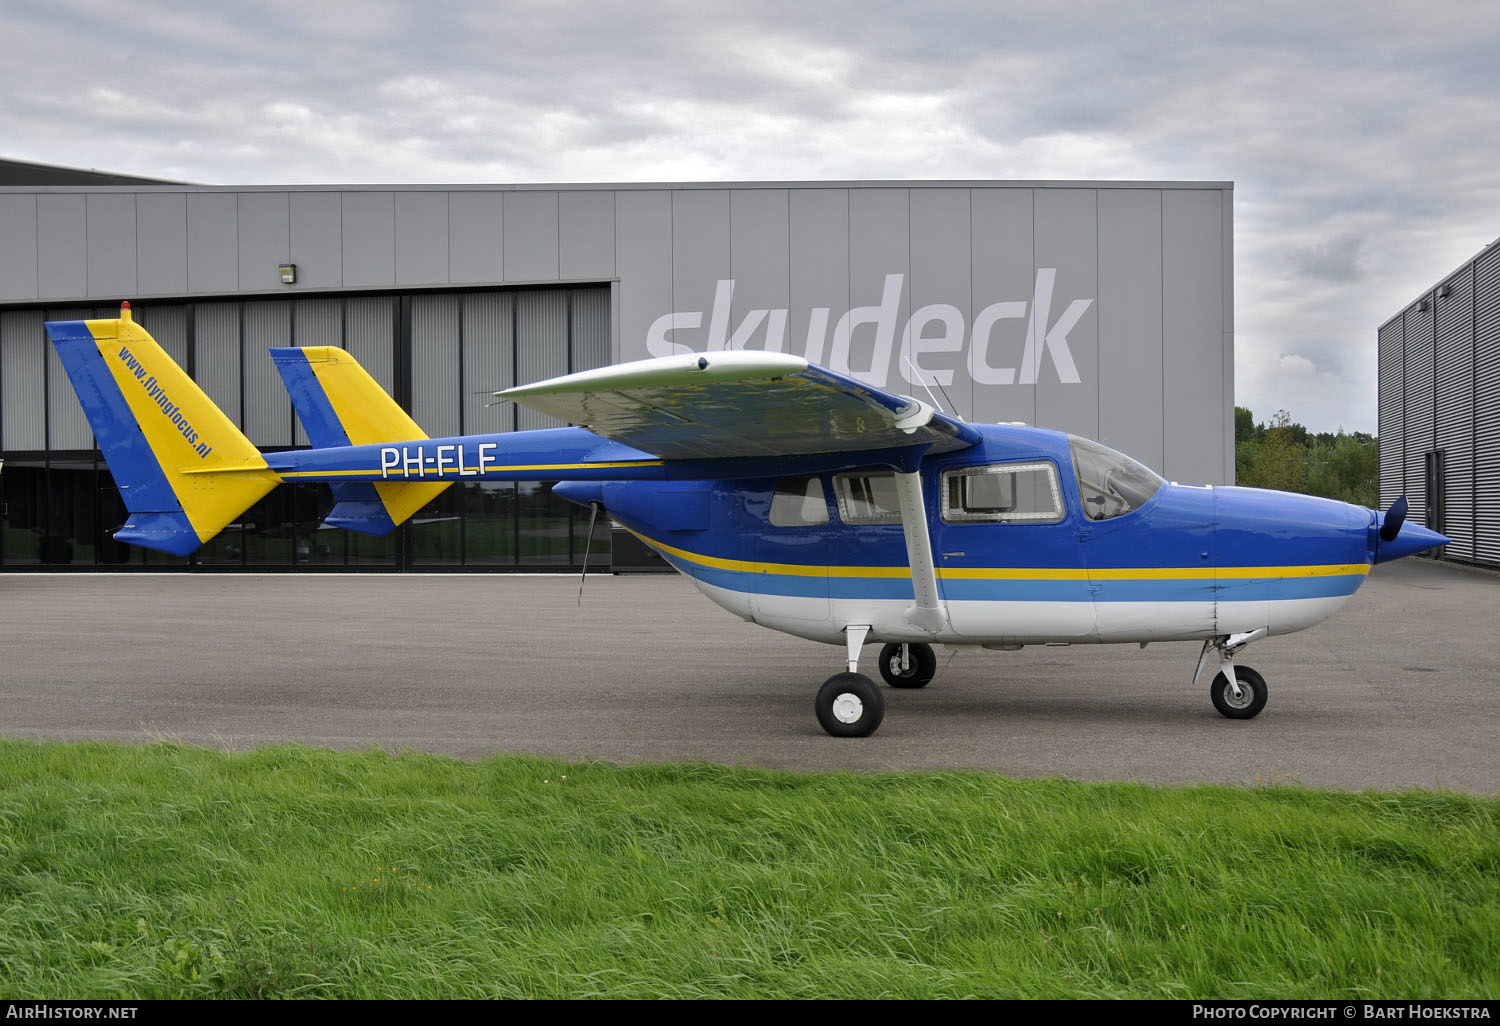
1197,590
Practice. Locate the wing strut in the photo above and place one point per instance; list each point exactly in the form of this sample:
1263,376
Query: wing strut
928,612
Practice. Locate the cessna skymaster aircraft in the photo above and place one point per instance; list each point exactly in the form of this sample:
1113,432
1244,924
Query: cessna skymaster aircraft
795,497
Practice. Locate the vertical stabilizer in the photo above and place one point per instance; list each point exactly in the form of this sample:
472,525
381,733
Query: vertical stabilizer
340,404
183,469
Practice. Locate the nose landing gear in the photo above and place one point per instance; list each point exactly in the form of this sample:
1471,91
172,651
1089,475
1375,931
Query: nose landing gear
1238,692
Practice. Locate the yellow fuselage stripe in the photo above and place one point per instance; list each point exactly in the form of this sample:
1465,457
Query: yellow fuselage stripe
1016,573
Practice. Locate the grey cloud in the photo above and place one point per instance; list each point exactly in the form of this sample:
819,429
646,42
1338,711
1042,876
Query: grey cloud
1363,139
1331,260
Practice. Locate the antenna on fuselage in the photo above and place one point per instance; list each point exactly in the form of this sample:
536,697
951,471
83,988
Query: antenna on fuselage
917,377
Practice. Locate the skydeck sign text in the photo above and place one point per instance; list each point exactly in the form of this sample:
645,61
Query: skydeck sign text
991,355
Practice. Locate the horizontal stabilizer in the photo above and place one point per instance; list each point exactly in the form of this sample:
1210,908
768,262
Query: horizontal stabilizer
367,516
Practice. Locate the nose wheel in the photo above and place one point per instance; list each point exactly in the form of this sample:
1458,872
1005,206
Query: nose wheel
1250,699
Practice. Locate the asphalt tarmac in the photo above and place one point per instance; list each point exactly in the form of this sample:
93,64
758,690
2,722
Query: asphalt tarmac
1397,691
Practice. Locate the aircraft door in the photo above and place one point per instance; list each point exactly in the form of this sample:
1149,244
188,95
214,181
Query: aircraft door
1149,548
790,578
1008,555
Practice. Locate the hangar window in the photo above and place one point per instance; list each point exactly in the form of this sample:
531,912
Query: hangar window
798,502
1002,493
1111,483
868,497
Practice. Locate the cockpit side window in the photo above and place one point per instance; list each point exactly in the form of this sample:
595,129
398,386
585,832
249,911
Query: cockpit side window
799,502
868,497
1002,493
1111,483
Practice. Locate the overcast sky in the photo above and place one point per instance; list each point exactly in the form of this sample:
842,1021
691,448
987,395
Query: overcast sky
1363,139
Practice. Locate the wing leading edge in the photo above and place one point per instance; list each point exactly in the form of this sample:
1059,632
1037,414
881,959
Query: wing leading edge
741,403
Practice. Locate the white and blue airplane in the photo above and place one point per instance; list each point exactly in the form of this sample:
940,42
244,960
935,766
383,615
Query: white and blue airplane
793,496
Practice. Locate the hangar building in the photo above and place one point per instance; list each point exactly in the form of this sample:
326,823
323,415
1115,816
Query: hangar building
1105,308
1440,409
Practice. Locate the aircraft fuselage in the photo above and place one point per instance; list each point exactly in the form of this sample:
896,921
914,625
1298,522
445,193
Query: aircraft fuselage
1189,563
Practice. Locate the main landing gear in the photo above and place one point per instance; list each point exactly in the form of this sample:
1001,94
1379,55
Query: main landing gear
907,665
1237,691
850,705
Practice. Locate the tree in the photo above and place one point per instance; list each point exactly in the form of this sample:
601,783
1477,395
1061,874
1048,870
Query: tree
1285,456
1280,457
1245,428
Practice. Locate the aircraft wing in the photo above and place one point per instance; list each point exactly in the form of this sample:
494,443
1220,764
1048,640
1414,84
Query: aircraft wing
740,403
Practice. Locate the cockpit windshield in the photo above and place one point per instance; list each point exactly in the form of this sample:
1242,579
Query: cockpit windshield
1111,483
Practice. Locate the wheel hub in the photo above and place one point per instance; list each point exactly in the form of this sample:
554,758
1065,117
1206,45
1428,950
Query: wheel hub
847,708
1237,699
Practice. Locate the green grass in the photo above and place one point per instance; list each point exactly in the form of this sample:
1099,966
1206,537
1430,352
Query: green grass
166,871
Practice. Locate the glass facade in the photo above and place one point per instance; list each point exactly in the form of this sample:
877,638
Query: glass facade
439,354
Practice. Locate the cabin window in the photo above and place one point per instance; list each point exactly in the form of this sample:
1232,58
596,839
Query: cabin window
1111,483
798,502
868,498
1002,493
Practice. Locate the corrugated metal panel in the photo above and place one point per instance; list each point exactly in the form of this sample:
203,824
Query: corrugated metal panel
590,342
1419,409
436,396
67,426
216,354
23,344
370,334
168,325
489,361
541,347
1487,404
1454,398
1392,389
268,409
318,322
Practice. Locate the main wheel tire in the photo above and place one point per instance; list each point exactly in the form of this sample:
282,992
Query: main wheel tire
850,705
922,668
1253,688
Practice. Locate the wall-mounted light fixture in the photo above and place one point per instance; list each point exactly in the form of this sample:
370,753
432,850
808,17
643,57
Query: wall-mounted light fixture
288,273
1444,291
1424,306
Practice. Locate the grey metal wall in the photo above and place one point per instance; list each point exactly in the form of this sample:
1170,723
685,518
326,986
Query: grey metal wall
1487,405
1439,361
462,350
1102,308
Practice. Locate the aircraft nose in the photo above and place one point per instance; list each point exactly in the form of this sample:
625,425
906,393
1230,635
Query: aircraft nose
1411,539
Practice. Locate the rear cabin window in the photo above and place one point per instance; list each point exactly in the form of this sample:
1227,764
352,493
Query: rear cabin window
1002,493
868,498
798,502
